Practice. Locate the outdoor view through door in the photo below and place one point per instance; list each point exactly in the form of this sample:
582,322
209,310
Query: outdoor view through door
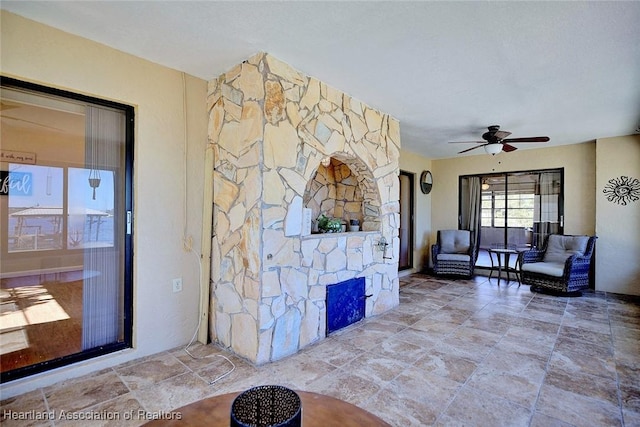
65,276
517,210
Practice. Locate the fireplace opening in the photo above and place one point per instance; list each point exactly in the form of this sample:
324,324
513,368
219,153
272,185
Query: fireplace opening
345,303
342,187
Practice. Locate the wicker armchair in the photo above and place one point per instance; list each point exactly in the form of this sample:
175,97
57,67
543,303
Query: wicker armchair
453,254
562,266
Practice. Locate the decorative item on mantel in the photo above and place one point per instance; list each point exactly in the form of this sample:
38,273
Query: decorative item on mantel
306,222
354,225
329,225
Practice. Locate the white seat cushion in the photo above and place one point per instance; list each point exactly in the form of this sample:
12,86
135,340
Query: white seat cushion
454,257
554,269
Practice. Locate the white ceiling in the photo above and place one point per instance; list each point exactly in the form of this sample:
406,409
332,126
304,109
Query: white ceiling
446,70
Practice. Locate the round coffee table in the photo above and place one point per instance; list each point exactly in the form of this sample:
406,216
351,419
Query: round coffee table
317,410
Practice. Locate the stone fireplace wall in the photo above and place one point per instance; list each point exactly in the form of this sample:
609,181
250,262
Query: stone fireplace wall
271,126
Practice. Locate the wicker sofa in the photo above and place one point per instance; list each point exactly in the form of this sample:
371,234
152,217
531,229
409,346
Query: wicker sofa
561,266
453,253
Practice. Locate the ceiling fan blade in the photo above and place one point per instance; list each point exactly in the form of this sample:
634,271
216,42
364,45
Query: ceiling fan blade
529,139
472,148
496,136
501,134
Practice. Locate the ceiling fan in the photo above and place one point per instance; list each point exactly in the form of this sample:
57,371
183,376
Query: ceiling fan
494,141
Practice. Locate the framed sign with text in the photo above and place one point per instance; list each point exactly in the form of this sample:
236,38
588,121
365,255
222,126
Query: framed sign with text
25,158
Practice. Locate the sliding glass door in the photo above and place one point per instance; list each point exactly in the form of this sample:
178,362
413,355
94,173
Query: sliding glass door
548,215
517,209
65,228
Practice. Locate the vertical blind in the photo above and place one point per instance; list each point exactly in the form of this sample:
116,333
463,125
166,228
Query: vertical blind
102,307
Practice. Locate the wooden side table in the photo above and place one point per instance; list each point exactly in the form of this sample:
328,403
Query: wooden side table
317,411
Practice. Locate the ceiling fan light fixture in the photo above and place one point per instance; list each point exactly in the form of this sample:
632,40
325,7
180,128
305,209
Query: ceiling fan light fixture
493,149
497,141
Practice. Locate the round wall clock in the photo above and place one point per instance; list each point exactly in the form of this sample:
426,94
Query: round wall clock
426,182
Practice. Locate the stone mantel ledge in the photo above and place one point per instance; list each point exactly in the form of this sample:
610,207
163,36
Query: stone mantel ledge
342,234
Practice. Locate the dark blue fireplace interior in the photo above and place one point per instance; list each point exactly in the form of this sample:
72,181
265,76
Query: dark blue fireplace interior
345,303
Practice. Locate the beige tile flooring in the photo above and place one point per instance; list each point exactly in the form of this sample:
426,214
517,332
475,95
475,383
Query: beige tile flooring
455,352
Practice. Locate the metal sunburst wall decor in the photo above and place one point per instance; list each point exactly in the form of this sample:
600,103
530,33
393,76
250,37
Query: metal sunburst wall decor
622,190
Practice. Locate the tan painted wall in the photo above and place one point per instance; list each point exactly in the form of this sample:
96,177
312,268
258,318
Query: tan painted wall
162,320
578,161
617,225
415,163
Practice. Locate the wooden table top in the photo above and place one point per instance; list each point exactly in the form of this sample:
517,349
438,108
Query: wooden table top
317,410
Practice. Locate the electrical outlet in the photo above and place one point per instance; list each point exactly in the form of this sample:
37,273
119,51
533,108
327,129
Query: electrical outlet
177,284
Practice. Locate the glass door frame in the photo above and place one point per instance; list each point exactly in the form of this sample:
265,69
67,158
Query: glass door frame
506,175
410,233
126,229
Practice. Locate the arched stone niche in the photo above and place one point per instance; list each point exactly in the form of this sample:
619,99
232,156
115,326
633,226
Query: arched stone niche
342,187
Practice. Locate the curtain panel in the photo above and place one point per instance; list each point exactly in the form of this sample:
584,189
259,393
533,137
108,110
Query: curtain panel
470,212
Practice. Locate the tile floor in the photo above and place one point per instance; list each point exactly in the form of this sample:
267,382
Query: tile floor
455,352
